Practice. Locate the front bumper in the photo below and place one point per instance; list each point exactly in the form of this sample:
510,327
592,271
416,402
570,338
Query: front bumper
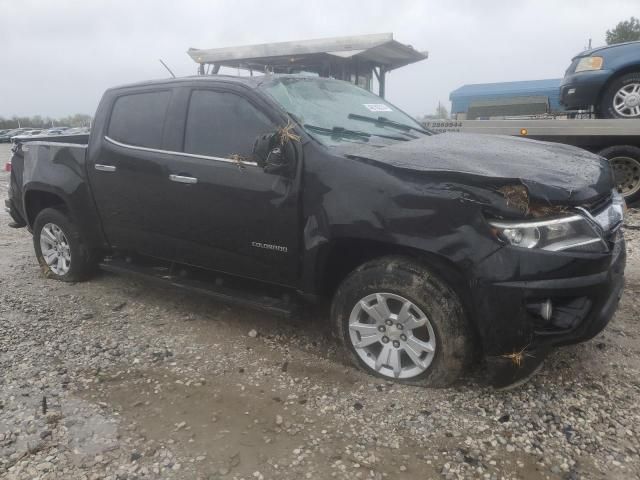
584,289
581,90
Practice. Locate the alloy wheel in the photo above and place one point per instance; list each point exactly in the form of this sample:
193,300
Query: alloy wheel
392,335
55,249
626,101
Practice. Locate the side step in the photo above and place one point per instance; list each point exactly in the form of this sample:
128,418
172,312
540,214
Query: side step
250,297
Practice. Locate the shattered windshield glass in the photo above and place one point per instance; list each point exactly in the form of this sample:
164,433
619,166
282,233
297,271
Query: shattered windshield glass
334,111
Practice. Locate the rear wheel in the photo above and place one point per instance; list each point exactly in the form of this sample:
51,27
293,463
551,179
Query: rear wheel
61,250
625,161
621,99
399,321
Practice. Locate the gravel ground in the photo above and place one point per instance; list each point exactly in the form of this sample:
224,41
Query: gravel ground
118,379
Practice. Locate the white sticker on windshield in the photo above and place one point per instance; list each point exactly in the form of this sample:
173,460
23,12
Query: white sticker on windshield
377,107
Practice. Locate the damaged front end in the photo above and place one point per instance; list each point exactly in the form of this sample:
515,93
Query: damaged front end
557,280
535,229
558,228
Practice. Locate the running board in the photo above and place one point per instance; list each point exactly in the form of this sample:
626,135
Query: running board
282,307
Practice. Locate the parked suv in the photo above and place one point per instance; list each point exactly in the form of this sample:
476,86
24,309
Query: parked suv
432,250
606,78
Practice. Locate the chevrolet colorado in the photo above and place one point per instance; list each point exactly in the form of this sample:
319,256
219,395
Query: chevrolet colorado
433,250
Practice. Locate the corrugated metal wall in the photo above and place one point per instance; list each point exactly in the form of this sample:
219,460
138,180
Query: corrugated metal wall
462,97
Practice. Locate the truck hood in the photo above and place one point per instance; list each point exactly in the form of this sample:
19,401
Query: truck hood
552,173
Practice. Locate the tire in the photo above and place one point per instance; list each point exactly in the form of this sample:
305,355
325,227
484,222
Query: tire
394,281
54,228
625,160
612,104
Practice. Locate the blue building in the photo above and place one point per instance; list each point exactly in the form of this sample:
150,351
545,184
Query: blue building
528,97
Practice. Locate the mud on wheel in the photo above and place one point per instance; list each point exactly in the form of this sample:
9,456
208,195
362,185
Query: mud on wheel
399,321
60,248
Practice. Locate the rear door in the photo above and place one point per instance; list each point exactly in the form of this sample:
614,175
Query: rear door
127,172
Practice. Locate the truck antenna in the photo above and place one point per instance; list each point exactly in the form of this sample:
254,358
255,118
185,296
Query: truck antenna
165,66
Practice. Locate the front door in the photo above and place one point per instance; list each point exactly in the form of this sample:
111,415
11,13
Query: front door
230,215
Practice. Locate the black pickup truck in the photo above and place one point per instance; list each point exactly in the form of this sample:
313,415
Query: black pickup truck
433,251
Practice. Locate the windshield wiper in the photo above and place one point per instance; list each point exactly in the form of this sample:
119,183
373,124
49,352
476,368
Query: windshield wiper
387,122
345,132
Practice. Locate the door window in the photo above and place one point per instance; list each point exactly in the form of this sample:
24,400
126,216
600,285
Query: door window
138,119
222,124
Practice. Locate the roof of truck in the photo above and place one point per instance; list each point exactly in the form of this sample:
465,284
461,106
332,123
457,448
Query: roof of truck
250,81
190,78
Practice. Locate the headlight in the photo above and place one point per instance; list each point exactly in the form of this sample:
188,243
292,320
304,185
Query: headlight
554,235
589,63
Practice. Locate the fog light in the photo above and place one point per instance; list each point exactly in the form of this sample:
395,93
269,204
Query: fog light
571,91
542,309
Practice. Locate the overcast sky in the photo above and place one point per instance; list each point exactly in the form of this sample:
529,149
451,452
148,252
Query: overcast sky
57,57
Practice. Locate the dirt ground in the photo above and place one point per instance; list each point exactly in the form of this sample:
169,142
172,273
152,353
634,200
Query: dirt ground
117,378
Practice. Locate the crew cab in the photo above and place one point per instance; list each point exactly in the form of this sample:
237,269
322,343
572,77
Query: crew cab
432,250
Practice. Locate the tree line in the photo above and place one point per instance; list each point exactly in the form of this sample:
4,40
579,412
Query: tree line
625,31
36,121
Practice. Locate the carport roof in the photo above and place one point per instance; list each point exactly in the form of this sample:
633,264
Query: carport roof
380,49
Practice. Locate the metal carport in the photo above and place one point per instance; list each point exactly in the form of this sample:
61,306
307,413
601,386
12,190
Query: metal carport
353,58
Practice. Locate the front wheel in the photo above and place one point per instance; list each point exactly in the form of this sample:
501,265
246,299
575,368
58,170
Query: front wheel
60,248
399,321
621,99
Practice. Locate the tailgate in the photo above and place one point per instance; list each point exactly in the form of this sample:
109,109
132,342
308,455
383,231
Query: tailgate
14,204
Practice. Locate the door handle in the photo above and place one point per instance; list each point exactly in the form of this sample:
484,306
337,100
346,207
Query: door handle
182,179
105,168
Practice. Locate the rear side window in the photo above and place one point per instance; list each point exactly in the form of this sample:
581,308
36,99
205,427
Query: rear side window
221,124
138,119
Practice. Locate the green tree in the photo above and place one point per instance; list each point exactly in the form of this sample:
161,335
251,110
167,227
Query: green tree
625,31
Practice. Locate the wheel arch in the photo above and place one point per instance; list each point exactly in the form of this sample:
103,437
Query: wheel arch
632,68
38,196
343,256
36,200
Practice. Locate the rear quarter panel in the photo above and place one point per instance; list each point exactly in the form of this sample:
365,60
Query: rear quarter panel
60,169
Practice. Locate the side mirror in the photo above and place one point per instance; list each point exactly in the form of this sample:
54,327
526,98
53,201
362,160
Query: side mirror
272,154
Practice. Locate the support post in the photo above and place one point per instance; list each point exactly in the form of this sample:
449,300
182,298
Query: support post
382,81
356,71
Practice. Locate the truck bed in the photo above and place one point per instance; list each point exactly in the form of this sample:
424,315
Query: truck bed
56,167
